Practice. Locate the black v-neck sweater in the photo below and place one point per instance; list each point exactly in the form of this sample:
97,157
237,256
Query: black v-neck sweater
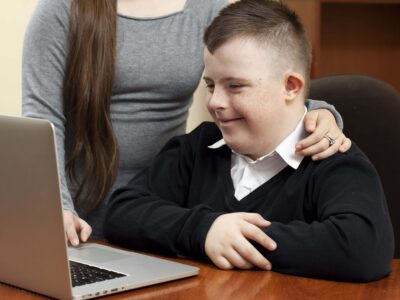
329,218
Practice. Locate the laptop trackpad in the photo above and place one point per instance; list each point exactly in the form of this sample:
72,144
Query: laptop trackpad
95,253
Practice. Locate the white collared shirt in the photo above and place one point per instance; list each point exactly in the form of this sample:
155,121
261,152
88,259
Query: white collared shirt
247,174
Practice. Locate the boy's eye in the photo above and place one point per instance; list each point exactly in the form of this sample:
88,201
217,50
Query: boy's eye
235,86
210,87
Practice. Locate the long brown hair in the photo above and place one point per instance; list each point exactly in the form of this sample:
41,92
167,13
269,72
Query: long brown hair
87,91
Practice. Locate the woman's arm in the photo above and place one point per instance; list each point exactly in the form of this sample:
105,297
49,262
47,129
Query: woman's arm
44,57
323,122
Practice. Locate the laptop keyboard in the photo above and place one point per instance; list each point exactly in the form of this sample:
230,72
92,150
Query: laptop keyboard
82,274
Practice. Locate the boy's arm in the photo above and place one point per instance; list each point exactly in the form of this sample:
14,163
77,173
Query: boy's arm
140,217
349,238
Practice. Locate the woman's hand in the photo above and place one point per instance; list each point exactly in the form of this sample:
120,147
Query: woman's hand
75,228
325,137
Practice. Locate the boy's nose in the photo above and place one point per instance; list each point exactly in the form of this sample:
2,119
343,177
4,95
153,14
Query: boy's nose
218,100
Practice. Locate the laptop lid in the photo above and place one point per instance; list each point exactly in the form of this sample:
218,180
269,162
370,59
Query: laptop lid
33,252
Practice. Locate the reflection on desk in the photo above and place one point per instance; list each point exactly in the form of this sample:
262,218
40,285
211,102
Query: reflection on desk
213,283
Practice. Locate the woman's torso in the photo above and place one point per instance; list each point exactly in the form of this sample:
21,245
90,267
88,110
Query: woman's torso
159,64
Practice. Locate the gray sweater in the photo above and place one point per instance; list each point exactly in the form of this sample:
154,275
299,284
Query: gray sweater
159,65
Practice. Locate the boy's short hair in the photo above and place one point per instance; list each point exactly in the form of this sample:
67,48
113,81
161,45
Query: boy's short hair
269,22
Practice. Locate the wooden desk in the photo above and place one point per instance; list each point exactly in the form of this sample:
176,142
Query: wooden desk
213,283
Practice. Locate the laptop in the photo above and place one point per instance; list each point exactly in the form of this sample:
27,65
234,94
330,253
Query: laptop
33,248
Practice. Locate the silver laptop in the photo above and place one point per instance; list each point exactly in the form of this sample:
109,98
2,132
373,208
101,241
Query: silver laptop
33,249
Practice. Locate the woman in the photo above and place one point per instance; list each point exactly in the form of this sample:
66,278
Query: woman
116,79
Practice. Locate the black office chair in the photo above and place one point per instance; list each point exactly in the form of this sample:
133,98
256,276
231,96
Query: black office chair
371,112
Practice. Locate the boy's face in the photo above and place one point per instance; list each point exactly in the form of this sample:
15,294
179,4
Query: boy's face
246,97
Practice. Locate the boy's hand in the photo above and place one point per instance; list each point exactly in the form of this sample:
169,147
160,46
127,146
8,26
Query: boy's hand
227,242
76,228
318,123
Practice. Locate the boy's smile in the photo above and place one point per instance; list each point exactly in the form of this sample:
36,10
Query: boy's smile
225,121
247,96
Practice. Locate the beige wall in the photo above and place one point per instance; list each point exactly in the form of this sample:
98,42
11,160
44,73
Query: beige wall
198,112
14,16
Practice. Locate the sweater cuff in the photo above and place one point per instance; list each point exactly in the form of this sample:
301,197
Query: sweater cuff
200,234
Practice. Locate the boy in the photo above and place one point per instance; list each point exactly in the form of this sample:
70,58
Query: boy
236,191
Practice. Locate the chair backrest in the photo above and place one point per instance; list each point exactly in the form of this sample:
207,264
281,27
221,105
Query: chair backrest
371,112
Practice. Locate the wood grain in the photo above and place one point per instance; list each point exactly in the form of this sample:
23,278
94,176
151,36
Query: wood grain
353,36
213,283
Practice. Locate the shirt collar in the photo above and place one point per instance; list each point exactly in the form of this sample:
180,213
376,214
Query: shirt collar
218,144
286,149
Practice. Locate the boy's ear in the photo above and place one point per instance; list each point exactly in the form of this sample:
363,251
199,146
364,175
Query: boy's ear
294,84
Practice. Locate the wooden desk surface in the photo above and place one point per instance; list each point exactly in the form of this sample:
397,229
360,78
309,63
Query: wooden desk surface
213,283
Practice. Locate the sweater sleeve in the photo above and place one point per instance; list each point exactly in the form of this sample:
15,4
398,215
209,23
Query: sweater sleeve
349,237
318,104
44,56
151,212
